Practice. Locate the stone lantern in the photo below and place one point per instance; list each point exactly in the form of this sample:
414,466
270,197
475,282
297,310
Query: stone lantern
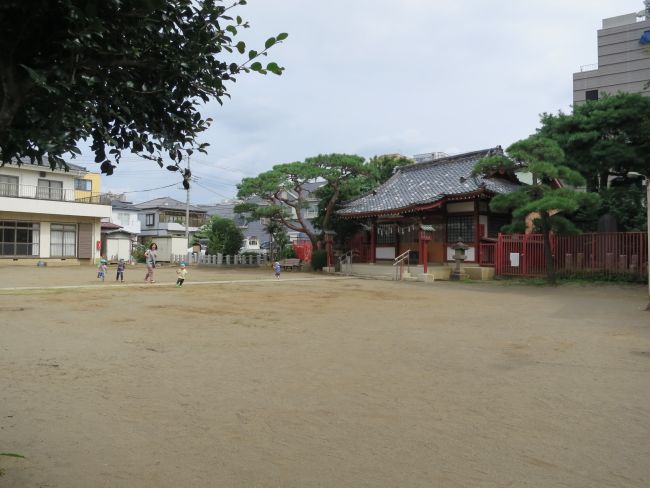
459,257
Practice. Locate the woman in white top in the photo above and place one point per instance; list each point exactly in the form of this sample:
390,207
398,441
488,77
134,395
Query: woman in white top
150,256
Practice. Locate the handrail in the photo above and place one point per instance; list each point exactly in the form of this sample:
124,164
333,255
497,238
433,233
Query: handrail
60,194
400,260
344,256
401,257
347,260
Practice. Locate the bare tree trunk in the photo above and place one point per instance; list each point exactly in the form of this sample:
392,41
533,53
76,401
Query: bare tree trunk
330,208
548,252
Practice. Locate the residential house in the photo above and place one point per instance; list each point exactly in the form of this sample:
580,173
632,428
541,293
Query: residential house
162,221
120,231
42,218
254,232
436,202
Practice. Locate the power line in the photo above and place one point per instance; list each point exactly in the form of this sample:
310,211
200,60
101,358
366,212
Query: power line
150,189
211,190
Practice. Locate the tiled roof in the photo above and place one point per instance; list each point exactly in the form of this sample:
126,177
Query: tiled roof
120,205
427,183
166,203
46,166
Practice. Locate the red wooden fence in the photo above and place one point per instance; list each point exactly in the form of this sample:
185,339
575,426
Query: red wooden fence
607,253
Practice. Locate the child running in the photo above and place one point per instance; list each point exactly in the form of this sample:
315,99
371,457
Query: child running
101,269
120,270
277,268
181,272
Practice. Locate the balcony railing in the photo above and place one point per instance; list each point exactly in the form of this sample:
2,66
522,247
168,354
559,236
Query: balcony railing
195,220
55,194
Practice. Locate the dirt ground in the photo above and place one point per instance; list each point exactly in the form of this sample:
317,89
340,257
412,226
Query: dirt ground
320,382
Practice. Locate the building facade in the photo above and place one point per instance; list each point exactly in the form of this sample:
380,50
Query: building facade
428,207
623,59
42,217
162,221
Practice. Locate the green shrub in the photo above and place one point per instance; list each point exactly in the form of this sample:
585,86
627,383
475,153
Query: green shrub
139,250
288,252
318,259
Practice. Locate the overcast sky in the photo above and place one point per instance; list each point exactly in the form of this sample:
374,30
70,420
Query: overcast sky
372,77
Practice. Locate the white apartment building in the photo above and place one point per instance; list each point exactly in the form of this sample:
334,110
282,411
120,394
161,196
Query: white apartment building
48,215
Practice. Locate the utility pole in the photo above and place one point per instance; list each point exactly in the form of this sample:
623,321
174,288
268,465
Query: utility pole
187,208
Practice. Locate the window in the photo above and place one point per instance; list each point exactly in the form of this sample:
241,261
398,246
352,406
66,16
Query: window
49,190
252,241
8,186
150,218
460,228
63,240
386,234
591,95
19,238
84,185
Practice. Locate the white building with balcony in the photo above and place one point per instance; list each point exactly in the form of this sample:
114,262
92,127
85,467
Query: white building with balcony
44,216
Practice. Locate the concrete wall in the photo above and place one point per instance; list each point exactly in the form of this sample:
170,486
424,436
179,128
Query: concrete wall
46,208
130,222
168,245
622,63
118,248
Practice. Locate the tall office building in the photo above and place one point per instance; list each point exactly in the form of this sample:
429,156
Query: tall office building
623,59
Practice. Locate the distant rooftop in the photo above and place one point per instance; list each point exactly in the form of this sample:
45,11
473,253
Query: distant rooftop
428,157
166,203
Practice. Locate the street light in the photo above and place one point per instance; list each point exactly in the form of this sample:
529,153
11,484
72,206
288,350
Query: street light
634,174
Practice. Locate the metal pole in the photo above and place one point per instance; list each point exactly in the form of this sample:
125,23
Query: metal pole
647,209
187,210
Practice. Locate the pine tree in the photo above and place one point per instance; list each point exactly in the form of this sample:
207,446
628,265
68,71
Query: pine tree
549,199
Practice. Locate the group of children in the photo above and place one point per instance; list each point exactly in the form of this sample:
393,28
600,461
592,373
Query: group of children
181,272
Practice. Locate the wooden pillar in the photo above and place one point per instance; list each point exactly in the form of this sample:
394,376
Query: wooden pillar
477,230
424,247
373,242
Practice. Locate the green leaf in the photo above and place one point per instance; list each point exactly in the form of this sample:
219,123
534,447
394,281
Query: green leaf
12,454
269,42
256,66
282,36
252,54
241,47
274,68
36,77
232,29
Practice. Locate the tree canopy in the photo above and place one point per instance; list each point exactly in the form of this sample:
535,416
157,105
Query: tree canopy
286,189
224,236
127,75
546,202
377,170
609,136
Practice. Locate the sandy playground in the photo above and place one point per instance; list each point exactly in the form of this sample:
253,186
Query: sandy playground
319,382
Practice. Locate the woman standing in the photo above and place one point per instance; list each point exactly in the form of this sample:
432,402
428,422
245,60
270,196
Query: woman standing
150,256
